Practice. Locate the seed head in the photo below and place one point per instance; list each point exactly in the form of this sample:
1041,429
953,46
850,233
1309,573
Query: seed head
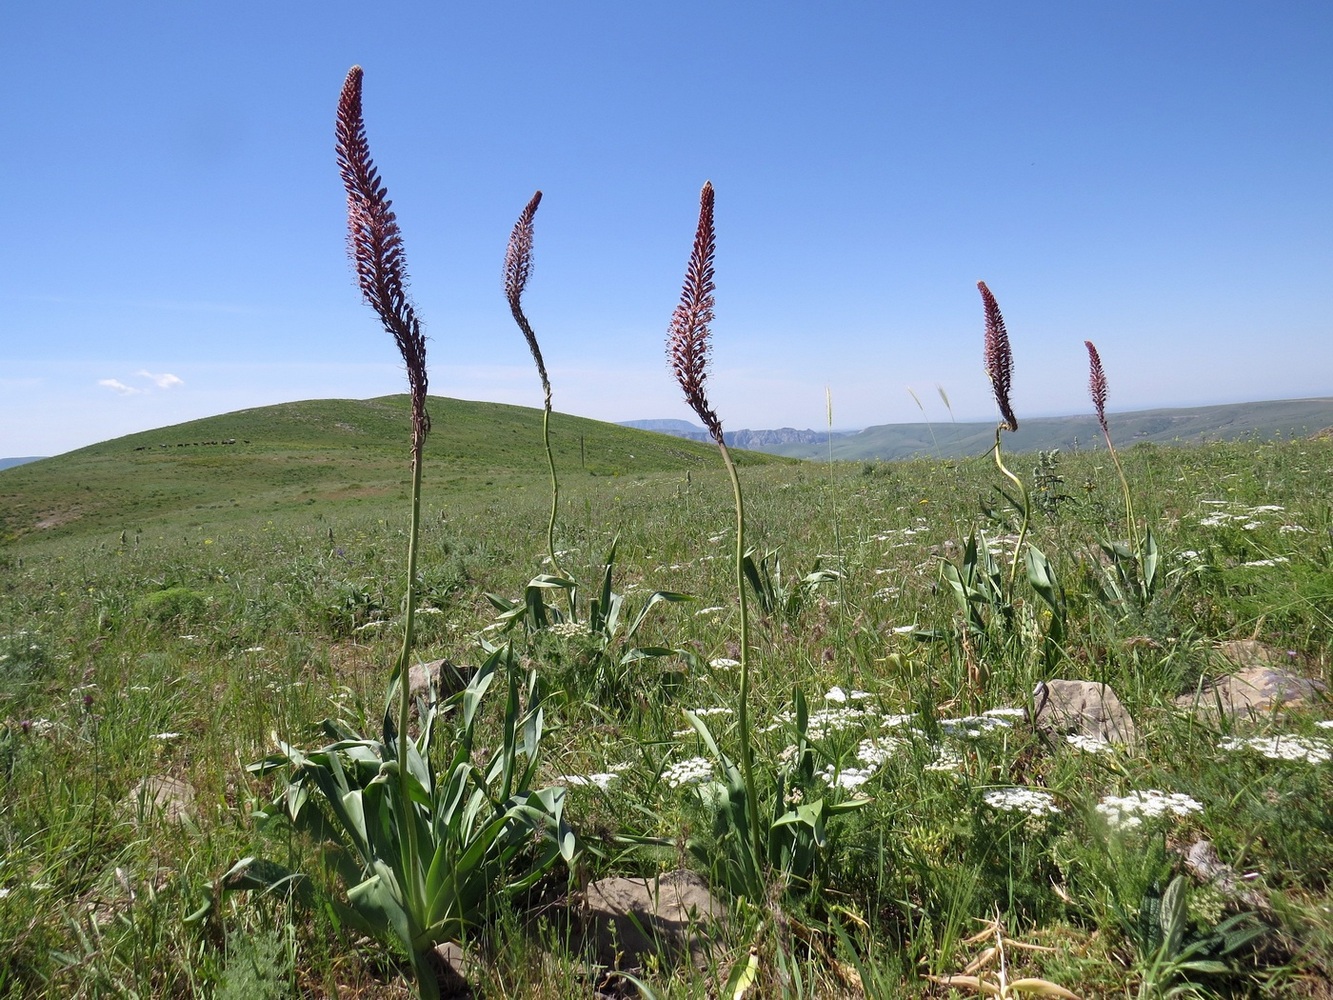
688,337
375,246
518,267
1097,384
999,359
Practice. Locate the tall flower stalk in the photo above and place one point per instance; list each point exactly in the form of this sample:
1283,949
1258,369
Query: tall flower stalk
1097,390
517,269
688,350
1000,370
375,245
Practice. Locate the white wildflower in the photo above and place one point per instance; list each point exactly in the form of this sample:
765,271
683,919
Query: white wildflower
837,694
1006,713
1028,800
567,630
166,737
1325,724
709,611
1129,811
876,752
848,777
704,713
972,726
946,760
688,772
723,663
600,780
1295,748
1089,744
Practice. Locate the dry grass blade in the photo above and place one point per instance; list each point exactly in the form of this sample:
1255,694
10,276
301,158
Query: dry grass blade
375,245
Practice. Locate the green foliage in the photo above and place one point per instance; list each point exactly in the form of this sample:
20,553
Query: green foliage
775,597
472,823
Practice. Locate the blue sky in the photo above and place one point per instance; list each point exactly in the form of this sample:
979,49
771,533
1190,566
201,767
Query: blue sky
1153,176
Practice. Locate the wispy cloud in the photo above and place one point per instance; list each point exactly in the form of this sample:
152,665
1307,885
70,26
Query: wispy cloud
120,387
164,381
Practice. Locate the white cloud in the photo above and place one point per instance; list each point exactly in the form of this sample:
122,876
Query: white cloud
164,381
120,387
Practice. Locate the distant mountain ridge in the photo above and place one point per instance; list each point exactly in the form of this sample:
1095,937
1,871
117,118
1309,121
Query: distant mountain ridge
763,440
9,463
1178,425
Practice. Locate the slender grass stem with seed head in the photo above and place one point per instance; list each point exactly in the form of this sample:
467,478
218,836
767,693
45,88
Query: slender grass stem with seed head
1097,389
688,350
1000,370
375,245
517,270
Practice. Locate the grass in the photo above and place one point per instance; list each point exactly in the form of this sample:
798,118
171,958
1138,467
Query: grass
255,590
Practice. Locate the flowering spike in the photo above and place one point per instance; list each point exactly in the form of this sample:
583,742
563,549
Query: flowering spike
518,267
999,358
1097,384
375,245
688,336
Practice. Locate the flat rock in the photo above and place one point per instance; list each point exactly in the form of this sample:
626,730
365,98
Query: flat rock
628,919
1254,691
441,676
170,797
1085,708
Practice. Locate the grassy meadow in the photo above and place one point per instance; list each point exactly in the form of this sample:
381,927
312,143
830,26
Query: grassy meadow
174,603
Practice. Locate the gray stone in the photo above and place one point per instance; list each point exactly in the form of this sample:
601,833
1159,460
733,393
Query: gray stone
1085,708
626,920
171,797
440,676
1253,692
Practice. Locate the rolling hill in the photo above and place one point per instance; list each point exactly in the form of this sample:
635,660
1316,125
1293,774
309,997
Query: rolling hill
272,459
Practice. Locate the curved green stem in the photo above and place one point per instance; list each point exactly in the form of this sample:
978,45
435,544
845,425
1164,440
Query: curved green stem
412,862
1129,503
1027,510
743,715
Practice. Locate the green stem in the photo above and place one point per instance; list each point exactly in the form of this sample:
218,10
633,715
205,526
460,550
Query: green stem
747,750
555,500
1027,510
415,889
1129,503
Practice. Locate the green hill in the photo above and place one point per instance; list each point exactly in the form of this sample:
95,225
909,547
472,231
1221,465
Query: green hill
273,459
1190,425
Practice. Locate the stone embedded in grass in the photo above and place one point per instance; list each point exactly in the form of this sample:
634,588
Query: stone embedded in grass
1128,812
1293,748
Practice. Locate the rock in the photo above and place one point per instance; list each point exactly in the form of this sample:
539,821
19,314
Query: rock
1252,653
443,677
1202,861
452,968
1085,708
171,797
1254,691
628,919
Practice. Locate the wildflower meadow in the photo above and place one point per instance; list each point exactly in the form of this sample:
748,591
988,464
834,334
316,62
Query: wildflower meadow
384,698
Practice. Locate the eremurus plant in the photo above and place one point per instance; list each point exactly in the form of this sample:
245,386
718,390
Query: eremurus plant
517,269
423,844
